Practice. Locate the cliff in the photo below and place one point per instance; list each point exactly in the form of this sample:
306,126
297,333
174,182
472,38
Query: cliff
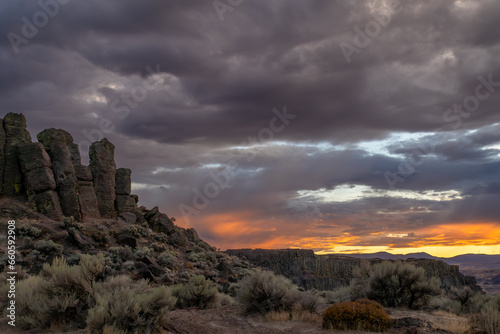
329,272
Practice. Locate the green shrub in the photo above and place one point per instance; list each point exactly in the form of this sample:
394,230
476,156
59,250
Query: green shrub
47,246
263,292
395,284
308,301
361,315
167,259
198,292
27,231
124,306
337,296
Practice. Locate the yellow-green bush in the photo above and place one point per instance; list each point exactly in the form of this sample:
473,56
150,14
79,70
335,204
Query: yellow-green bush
125,306
198,292
362,315
394,284
60,296
263,292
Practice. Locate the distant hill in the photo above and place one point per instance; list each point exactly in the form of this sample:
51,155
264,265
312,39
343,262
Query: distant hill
465,261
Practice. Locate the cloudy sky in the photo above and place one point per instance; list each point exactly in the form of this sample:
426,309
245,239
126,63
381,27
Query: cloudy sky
339,126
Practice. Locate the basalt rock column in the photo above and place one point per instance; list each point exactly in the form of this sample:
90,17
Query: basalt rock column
39,180
103,168
124,201
57,142
14,126
86,195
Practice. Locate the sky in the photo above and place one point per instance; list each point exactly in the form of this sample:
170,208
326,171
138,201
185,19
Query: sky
338,126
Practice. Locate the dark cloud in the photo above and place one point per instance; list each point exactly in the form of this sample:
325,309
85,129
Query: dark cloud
186,94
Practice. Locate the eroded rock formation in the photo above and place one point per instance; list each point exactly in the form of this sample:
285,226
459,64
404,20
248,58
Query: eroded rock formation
49,174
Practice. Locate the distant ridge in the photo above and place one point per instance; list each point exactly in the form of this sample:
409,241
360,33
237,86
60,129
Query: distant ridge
465,261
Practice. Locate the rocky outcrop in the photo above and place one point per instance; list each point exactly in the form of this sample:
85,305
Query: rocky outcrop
14,126
89,207
57,142
39,180
329,272
125,202
103,168
51,177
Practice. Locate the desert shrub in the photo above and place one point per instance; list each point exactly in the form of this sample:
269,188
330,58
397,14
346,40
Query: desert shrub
470,301
136,231
263,292
223,300
337,296
60,295
47,246
359,315
120,254
395,284
308,301
124,306
128,265
490,318
142,252
167,259
198,292
27,231
444,303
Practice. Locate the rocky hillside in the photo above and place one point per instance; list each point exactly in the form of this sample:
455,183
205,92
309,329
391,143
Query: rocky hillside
63,208
328,272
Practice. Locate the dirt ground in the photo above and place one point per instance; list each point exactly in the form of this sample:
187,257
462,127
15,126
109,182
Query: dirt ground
229,320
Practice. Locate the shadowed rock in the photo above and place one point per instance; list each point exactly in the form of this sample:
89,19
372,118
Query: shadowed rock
33,156
2,155
56,142
15,134
103,167
123,181
89,208
125,203
39,179
47,203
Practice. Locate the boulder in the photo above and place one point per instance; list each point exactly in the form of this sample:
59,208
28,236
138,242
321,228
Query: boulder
14,126
125,203
47,203
33,156
125,239
159,222
103,167
123,181
39,179
81,241
192,235
56,143
128,217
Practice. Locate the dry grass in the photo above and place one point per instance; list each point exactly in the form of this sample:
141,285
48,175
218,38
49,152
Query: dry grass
296,315
439,319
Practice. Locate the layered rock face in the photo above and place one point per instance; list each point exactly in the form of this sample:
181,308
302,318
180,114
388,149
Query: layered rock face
50,174
329,272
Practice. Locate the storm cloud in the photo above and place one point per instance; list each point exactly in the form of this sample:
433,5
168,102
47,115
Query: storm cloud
398,136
